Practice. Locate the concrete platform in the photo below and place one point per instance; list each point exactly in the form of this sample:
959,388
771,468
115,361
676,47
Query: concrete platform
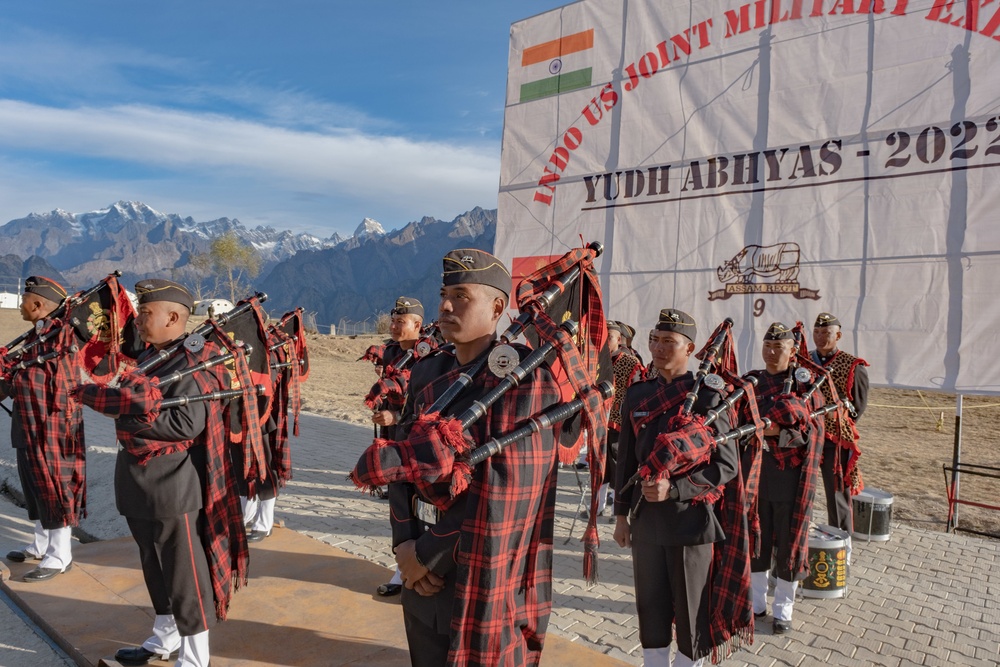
307,603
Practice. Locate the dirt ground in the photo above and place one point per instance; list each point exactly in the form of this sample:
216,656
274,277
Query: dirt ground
906,436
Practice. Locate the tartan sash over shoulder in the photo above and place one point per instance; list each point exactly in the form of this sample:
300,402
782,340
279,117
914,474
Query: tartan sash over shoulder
580,364
52,419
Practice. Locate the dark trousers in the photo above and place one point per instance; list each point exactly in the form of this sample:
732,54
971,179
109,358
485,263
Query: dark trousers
671,587
775,534
838,503
611,456
428,647
175,568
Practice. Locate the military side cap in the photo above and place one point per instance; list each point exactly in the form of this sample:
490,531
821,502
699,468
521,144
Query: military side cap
45,287
406,305
678,321
157,289
778,331
826,320
616,326
627,330
468,265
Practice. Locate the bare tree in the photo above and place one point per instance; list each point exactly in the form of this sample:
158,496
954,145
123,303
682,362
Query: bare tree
234,264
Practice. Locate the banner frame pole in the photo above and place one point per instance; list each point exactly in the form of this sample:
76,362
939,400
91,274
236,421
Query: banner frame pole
955,460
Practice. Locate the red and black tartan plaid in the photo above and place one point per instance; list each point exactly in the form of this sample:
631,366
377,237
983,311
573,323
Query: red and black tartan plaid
580,363
224,536
374,354
291,330
503,582
242,376
389,391
52,421
287,392
135,394
292,324
687,445
426,457
791,412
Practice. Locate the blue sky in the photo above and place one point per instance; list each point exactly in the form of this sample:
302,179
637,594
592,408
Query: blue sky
300,115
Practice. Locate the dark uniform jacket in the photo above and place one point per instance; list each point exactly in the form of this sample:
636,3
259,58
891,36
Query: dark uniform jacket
169,484
671,522
523,513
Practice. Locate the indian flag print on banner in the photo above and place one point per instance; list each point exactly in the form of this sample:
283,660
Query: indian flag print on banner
557,66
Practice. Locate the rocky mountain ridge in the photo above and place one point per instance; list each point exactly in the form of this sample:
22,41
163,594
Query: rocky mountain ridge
335,277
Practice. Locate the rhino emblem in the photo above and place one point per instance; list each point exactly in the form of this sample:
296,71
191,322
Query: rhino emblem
779,262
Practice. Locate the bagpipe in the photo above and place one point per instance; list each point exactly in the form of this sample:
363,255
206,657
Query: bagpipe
390,388
199,335
291,363
703,376
437,455
747,429
12,354
95,326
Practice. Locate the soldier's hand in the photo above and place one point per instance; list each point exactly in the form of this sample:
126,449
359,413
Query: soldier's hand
623,532
384,417
655,491
431,584
409,566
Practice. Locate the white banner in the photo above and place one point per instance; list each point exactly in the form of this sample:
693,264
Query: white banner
769,161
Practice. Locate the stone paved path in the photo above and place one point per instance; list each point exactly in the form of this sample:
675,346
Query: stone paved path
923,598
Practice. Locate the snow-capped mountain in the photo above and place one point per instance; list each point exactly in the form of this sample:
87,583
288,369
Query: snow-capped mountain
139,240
334,277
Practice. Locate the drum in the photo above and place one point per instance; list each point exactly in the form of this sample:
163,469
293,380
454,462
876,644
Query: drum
827,563
872,514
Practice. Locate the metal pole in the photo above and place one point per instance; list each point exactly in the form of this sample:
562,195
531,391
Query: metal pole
955,460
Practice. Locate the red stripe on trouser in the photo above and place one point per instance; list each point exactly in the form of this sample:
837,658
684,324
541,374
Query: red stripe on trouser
194,571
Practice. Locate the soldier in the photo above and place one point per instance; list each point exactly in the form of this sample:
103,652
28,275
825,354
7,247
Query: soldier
50,460
173,487
789,465
673,536
840,447
404,328
478,576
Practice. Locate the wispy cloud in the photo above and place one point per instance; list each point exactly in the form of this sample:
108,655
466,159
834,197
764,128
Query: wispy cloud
423,176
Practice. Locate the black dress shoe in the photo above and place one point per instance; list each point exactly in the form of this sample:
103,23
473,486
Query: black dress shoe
781,627
20,556
257,535
388,590
138,655
45,573
759,614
